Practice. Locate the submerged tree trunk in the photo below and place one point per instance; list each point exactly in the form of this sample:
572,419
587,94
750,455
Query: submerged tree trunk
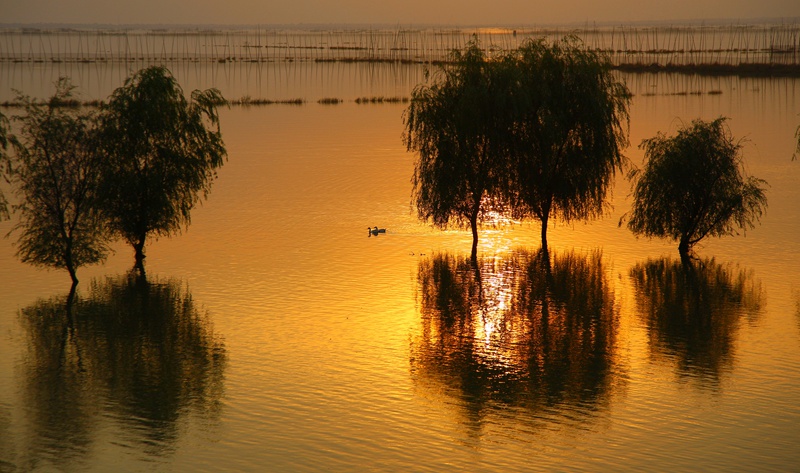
68,262
72,274
683,247
544,216
138,248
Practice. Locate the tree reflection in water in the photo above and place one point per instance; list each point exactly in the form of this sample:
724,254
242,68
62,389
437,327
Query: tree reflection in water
692,310
525,331
134,352
796,294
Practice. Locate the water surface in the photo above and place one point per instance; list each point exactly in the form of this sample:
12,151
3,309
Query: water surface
276,334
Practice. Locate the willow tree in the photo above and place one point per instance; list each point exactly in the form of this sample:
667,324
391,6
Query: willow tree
569,132
162,153
54,172
693,185
455,125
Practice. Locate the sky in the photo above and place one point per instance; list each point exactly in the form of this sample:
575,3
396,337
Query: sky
388,12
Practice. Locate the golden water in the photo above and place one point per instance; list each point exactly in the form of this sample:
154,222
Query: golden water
279,336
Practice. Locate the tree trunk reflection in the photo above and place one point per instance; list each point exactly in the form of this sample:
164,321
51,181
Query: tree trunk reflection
135,351
529,330
692,310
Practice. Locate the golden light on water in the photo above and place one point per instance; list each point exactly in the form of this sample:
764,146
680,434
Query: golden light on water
395,352
495,287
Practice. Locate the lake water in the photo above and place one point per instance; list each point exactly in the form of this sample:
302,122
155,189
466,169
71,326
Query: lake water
275,335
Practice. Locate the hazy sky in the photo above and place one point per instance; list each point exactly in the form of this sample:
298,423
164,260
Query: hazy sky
401,12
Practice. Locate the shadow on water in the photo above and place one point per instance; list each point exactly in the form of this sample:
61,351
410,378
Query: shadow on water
531,331
123,365
692,310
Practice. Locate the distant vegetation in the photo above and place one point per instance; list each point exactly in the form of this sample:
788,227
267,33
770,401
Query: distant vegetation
248,101
244,101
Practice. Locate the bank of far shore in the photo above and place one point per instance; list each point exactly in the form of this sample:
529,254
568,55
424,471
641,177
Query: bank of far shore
741,70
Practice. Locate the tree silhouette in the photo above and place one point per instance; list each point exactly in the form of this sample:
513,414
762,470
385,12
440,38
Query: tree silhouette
693,186
455,125
541,128
569,132
162,153
55,170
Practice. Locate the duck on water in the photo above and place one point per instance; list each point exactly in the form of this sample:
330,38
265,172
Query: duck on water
375,231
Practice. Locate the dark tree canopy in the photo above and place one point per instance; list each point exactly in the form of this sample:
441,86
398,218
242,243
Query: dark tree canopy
538,131
693,185
54,172
455,125
162,152
569,134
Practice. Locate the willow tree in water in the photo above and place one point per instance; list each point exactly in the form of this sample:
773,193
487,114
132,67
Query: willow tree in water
162,153
455,126
693,185
569,133
54,172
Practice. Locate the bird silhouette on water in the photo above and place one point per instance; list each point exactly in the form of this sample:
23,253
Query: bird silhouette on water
375,231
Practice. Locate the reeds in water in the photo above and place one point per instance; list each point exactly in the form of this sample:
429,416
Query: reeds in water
249,101
365,100
725,47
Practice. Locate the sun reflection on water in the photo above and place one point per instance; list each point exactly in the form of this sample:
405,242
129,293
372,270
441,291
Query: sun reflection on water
519,329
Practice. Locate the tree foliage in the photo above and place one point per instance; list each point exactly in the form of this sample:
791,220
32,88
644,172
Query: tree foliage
54,172
569,134
455,125
162,153
538,131
693,185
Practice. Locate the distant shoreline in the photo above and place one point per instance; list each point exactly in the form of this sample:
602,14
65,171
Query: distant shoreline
248,101
740,70
699,69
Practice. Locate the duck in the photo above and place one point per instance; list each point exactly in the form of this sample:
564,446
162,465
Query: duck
376,230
